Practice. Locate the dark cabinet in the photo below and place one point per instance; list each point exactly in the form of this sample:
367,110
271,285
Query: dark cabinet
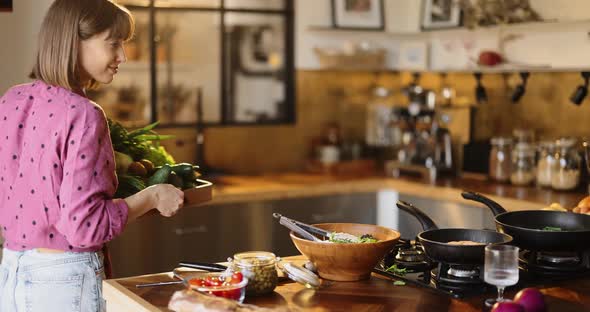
213,233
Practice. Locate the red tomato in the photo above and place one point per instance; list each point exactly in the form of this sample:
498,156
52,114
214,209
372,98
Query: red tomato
236,278
212,281
197,282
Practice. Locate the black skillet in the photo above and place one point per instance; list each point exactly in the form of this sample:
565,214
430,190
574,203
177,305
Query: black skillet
435,240
529,228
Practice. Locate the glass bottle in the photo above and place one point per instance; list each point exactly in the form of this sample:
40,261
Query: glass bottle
566,173
260,269
499,168
523,168
545,163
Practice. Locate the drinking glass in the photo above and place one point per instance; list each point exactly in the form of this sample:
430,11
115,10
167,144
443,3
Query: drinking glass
500,269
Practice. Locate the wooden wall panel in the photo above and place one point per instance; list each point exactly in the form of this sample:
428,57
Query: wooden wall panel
332,96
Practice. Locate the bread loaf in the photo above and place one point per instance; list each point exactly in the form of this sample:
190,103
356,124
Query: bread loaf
583,206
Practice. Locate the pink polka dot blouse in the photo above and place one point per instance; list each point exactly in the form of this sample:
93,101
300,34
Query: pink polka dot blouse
57,171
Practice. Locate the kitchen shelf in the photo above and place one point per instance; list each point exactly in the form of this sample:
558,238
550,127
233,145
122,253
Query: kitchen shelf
544,26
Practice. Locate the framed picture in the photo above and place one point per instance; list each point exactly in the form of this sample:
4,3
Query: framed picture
358,14
5,5
439,14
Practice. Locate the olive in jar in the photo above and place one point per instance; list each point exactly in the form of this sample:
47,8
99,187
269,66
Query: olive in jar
260,269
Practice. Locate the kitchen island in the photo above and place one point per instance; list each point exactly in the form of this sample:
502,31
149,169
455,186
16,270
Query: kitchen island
375,294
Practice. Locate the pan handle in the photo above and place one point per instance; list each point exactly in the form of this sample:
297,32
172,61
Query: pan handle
494,206
425,221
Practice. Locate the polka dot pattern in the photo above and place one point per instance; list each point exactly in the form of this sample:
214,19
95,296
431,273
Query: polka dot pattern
57,179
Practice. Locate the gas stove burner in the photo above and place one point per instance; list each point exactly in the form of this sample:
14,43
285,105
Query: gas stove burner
456,276
558,258
411,254
457,272
555,264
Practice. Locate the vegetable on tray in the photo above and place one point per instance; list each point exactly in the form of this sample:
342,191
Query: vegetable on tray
141,161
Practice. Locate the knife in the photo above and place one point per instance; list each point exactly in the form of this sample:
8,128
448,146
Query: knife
211,267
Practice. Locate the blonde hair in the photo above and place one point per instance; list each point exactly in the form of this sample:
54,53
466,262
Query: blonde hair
66,24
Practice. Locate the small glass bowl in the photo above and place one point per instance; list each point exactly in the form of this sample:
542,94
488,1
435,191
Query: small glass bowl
235,292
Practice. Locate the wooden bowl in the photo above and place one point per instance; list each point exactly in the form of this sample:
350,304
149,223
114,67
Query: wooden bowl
347,262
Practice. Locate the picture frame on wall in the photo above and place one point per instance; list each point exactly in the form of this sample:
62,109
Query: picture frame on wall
5,5
441,14
358,14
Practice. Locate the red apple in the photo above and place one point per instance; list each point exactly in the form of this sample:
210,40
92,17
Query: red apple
489,58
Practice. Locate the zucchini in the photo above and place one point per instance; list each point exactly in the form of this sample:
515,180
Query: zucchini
183,169
160,176
175,179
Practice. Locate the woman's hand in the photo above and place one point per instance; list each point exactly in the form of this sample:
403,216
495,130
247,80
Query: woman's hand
167,199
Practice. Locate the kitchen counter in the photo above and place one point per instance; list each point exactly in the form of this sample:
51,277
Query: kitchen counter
376,294
233,189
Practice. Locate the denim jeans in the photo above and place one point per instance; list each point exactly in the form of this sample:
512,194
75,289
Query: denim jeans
31,281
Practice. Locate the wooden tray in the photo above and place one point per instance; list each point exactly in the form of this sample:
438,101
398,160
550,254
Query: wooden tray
200,194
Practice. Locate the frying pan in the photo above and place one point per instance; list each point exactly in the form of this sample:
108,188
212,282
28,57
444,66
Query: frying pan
527,227
435,240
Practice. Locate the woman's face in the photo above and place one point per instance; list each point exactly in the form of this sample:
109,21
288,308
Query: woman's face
99,57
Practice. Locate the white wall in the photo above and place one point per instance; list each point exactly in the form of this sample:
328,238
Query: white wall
453,49
18,40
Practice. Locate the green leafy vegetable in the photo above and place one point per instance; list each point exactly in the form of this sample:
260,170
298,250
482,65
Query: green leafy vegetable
398,271
399,283
552,229
345,238
141,143
368,238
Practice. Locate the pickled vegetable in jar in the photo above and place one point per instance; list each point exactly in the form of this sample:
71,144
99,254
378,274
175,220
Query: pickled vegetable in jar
260,269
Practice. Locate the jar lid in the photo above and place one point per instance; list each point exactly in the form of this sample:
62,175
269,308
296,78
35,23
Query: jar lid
501,141
523,148
547,144
300,275
565,142
254,258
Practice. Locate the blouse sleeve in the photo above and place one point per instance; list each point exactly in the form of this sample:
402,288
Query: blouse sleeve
89,216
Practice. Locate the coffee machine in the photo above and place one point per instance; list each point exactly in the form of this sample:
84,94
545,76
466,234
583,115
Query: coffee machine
425,148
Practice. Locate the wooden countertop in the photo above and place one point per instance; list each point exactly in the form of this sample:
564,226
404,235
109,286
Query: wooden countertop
376,294
233,189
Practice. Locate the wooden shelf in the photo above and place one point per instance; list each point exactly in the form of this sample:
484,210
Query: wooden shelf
545,26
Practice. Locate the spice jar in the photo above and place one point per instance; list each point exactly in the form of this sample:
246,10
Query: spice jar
499,169
259,267
566,173
523,168
545,163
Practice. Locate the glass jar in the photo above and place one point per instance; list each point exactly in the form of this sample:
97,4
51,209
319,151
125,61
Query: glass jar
523,135
260,269
566,173
499,169
545,163
523,168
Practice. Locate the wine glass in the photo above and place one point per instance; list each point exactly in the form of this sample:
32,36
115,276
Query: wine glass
500,269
